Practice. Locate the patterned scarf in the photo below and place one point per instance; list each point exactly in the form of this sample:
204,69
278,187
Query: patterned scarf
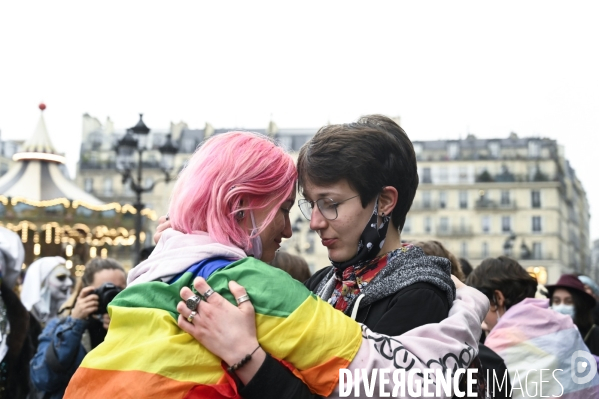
353,279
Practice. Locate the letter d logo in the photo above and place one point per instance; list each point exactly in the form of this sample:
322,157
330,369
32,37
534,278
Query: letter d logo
587,366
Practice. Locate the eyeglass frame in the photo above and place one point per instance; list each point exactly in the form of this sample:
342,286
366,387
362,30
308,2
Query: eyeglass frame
335,204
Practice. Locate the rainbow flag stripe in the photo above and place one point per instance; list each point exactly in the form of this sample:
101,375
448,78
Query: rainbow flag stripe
146,354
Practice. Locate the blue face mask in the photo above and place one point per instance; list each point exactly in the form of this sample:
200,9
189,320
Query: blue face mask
565,309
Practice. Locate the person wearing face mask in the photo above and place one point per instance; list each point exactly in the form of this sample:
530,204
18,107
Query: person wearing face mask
46,286
528,334
18,328
569,297
230,211
79,328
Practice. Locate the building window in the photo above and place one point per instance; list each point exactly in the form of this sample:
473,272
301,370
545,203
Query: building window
534,149
505,197
444,224
407,226
426,199
426,175
463,199
494,148
427,225
485,250
453,150
463,228
463,174
442,199
506,224
486,224
536,224
89,184
418,149
537,250
443,175
108,186
127,190
535,198
148,183
464,249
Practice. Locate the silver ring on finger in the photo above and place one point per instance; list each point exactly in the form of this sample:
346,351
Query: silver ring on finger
192,303
207,294
242,299
191,316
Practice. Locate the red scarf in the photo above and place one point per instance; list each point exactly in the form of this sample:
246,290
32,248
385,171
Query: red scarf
353,279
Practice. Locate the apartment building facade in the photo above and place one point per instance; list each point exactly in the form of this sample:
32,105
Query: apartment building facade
515,196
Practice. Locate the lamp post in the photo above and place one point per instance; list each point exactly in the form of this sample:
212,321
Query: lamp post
134,141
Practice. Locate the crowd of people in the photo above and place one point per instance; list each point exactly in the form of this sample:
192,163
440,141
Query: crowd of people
206,315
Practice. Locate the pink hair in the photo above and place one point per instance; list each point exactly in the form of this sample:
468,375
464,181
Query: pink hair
224,170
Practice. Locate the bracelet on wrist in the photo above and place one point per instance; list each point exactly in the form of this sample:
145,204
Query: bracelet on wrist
243,361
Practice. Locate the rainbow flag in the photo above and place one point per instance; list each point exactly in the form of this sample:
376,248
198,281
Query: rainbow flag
146,354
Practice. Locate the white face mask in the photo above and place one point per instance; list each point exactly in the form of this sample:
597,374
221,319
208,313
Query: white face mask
565,309
59,283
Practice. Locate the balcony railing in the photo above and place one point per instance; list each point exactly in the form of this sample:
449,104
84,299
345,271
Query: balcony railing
455,231
486,204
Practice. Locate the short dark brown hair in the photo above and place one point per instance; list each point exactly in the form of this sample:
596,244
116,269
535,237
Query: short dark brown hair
295,265
97,264
506,275
435,248
370,154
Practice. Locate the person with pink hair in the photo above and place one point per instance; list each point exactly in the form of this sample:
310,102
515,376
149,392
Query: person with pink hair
229,212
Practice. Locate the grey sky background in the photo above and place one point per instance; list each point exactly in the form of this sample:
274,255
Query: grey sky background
446,68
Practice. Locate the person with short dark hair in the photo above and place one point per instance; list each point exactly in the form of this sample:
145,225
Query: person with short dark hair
527,334
78,329
436,248
569,297
466,267
295,265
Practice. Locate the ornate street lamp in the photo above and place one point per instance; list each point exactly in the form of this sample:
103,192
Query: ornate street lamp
134,141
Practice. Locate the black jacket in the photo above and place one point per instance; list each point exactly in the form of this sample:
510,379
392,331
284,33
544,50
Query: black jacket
493,363
391,315
22,342
592,338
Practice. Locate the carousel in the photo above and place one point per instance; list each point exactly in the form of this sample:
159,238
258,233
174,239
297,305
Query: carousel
54,217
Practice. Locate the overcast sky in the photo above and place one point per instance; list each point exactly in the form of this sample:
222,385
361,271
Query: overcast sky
446,68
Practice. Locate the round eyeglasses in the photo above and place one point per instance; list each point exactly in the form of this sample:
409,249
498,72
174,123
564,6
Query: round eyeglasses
326,206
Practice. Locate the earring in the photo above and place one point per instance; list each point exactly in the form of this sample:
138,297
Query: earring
383,214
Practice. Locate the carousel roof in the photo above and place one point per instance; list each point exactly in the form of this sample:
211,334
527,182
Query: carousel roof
37,178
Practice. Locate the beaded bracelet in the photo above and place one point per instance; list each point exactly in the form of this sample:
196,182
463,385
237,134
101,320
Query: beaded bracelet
243,361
